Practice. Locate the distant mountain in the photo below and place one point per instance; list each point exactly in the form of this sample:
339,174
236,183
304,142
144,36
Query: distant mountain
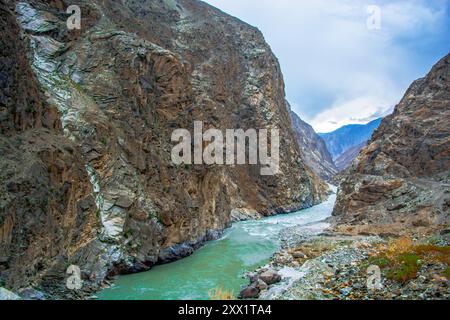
345,159
313,149
348,137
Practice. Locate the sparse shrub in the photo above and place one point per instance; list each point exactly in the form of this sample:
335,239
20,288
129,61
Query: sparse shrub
128,234
220,294
402,259
381,261
405,268
434,253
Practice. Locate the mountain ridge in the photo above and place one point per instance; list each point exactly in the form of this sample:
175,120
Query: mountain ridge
346,142
313,148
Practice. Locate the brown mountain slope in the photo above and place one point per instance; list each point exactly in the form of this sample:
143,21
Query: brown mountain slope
313,149
400,182
87,118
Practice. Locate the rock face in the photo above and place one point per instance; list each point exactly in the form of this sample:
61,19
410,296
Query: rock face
401,181
47,207
86,122
313,149
349,137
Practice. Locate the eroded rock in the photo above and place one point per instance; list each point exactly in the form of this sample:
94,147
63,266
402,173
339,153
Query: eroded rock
400,182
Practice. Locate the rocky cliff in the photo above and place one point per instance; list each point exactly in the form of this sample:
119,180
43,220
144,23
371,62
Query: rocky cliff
400,182
313,149
86,122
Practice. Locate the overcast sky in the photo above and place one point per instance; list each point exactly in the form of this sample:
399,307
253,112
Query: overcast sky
337,70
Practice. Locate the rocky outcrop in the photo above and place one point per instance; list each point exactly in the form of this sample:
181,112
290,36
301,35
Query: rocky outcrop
348,137
400,182
313,149
86,170
47,210
260,282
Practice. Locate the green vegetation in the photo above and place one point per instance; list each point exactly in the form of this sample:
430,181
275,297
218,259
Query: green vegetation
401,259
128,234
381,262
98,214
104,141
405,268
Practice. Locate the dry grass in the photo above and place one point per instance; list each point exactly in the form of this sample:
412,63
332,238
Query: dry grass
221,294
434,253
312,250
398,247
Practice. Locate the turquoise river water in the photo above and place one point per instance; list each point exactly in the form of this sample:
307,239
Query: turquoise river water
221,263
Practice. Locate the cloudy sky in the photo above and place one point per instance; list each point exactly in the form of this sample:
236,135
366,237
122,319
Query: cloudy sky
338,70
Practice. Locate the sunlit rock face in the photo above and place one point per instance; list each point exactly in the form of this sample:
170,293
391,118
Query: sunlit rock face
87,117
400,181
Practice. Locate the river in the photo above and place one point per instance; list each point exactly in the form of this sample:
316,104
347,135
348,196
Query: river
221,263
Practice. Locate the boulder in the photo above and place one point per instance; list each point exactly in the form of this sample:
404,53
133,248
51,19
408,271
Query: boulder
175,252
250,292
270,277
261,285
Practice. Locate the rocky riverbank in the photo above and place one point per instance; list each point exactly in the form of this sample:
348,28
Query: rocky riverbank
335,267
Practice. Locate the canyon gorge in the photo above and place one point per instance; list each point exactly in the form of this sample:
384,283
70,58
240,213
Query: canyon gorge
86,119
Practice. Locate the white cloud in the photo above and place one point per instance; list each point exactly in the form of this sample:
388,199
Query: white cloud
357,111
332,62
